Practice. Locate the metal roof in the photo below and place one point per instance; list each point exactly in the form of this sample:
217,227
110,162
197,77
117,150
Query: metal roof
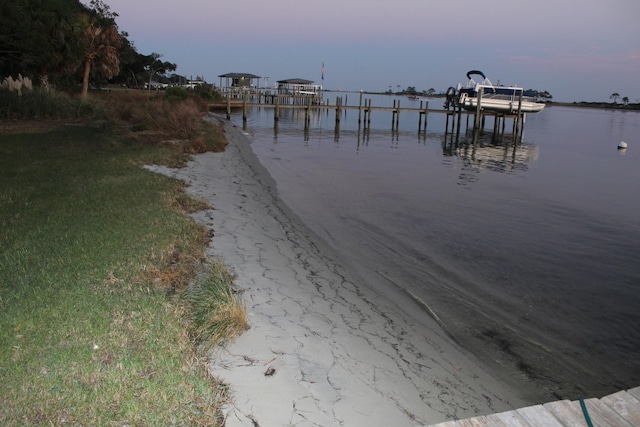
240,76
296,81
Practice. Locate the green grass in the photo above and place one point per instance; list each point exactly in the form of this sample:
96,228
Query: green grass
89,244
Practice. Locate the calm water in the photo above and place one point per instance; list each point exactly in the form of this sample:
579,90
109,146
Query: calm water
527,254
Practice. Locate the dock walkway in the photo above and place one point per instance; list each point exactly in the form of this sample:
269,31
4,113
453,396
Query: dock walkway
621,409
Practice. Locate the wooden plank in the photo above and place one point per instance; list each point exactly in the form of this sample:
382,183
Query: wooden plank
567,412
446,424
635,392
474,422
624,404
602,415
507,419
538,415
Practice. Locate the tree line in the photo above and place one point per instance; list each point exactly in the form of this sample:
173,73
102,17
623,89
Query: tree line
66,44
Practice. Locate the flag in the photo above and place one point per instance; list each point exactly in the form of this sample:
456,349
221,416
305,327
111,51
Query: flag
322,71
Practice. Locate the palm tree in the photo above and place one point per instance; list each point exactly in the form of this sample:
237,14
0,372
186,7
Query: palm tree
101,41
625,100
614,96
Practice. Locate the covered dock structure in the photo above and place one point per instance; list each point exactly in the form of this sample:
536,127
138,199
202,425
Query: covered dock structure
239,82
301,91
298,86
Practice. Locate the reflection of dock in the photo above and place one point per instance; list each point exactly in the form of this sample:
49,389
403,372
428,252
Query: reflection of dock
621,409
499,158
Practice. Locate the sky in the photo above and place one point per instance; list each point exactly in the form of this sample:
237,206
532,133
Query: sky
577,50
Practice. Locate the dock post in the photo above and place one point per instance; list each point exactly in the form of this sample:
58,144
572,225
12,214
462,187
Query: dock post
519,116
369,115
360,109
244,109
393,116
459,120
426,115
228,106
398,116
476,123
307,113
276,115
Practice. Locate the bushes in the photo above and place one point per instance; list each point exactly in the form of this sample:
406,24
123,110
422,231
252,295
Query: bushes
176,94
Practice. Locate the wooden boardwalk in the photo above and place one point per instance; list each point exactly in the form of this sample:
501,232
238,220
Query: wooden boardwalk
621,409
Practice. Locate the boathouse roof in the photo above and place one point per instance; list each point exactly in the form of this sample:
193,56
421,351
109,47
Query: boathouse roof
239,76
296,81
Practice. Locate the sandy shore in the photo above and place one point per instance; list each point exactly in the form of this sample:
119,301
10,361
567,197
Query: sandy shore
324,348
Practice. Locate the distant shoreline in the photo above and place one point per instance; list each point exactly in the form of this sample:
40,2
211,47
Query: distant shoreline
580,104
599,105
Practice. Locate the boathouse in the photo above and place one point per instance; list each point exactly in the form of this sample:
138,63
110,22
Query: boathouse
238,81
298,87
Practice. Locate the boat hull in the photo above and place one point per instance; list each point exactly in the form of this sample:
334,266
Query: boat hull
508,106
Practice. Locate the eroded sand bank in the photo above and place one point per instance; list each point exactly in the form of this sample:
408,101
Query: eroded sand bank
324,348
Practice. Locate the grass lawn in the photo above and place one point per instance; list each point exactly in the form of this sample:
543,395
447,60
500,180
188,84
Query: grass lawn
91,247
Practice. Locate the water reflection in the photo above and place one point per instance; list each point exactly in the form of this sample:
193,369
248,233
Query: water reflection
503,156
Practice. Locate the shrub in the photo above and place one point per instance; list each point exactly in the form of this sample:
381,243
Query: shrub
176,93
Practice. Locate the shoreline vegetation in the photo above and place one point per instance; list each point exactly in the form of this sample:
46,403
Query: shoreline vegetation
107,303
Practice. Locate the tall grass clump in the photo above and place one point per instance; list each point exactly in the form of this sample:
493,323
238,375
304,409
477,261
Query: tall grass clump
43,104
215,308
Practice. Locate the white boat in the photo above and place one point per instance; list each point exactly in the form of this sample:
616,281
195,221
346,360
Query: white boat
501,99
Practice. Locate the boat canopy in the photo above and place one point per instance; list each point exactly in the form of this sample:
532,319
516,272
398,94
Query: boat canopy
480,73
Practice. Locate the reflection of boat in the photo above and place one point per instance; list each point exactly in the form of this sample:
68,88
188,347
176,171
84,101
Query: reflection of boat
501,99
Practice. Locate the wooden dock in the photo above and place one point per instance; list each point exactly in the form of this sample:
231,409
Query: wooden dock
621,409
365,108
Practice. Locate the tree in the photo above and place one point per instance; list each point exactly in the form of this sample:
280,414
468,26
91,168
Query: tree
155,66
40,37
132,64
614,96
625,100
545,96
101,41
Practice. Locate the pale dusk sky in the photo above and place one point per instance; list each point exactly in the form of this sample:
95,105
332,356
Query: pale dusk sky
578,50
